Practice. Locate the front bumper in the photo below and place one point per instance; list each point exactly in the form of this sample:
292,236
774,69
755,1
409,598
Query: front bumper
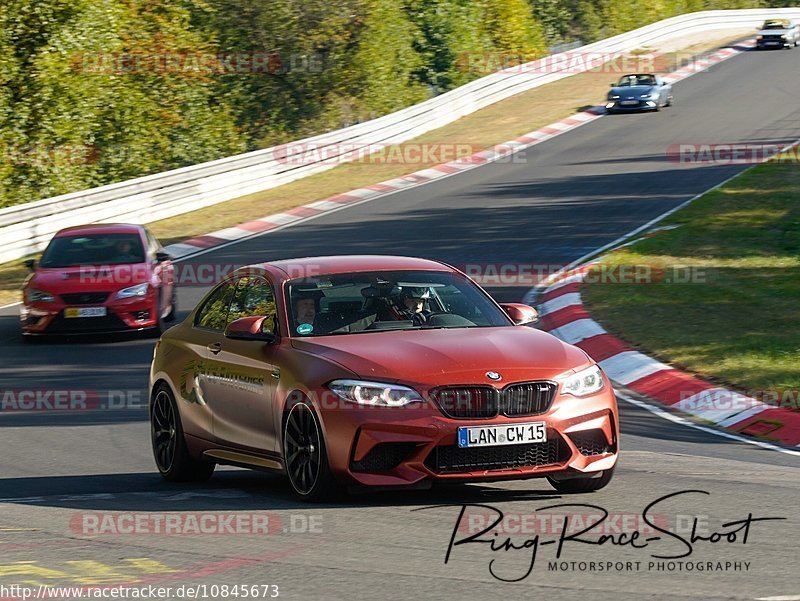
616,106
122,315
385,447
777,43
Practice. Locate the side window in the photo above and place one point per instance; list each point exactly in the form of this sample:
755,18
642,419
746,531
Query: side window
254,297
214,312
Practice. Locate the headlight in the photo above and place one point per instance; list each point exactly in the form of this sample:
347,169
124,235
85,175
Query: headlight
39,296
374,393
613,97
646,96
137,290
585,382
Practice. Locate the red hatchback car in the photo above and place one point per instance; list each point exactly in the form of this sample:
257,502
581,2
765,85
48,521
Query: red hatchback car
99,278
376,372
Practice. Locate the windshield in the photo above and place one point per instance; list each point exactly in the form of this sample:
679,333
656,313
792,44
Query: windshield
93,249
636,80
388,300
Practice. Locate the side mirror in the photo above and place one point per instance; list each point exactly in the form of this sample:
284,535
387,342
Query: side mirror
521,314
30,264
613,84
162,256
250,328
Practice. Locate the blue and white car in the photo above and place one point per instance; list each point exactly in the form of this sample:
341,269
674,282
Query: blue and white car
778,33
639,92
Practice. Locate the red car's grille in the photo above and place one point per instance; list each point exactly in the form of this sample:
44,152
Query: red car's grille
84,298
473,402
79,325
529,398
481,402
453,459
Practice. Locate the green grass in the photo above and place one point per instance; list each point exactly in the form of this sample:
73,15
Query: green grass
739,323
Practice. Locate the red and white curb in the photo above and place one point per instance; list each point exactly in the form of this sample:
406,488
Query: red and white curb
562,314
292,216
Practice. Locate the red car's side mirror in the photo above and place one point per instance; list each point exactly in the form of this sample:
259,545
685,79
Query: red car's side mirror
521,314
251,328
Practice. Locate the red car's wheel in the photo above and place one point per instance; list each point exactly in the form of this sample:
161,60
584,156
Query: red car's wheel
305,455
169,445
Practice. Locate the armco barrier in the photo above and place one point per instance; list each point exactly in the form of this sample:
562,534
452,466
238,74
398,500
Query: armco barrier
25,229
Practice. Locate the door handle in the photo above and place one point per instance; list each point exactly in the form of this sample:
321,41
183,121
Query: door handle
215,347
276,373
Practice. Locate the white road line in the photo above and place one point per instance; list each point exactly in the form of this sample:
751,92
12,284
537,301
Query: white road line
780,598
677,419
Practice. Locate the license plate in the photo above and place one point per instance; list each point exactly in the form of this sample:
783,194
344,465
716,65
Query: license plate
85,312
507,434
629,102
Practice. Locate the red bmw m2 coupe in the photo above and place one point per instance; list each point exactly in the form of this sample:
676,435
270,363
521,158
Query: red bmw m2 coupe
374,371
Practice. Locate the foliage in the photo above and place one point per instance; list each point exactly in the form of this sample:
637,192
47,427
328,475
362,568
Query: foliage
98,91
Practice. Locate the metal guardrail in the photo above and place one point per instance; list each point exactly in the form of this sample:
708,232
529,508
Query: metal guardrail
26,229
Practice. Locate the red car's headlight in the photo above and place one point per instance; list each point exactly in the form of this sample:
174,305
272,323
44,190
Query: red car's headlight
374,393
138,290
585,382
39,296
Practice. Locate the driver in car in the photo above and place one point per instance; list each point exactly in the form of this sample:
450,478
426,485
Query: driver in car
305,311
414,301
125,252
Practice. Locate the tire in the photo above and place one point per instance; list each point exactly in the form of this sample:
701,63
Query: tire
305,455
582,485
170,452
670,100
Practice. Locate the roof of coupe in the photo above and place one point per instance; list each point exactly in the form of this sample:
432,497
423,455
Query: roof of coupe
100,228
328,265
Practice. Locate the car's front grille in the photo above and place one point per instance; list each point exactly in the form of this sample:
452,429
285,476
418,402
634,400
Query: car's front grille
481,402
84,298
528,399
79,325
383,457
471,402
453,459
591,442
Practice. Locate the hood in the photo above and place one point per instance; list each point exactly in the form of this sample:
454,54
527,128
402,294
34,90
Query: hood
449,356
635,91
106,278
